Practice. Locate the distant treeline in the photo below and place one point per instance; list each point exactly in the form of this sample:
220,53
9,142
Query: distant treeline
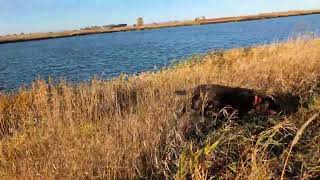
110,26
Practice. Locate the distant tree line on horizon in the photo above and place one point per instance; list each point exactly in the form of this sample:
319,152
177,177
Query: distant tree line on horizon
104,26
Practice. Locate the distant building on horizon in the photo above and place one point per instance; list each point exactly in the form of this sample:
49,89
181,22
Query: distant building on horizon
140,21
201,18
114,26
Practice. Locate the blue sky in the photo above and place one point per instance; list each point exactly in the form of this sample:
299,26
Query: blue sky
53,15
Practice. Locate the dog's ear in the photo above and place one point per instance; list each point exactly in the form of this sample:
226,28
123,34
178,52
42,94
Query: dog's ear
270,98
273,104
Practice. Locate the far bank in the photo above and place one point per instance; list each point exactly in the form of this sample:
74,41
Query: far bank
51,35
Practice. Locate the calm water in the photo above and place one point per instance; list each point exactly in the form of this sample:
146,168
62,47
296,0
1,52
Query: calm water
108,55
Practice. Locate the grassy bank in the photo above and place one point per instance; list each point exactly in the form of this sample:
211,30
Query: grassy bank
126,128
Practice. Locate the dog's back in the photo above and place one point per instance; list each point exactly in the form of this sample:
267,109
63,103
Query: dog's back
220,90
211,98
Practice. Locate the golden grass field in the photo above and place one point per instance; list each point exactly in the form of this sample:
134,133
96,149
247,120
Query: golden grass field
126,128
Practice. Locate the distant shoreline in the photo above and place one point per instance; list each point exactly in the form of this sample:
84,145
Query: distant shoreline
53,35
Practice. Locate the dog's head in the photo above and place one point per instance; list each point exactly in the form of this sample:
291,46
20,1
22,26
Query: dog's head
288,102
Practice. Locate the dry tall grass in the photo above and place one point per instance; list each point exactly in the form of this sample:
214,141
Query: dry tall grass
126,128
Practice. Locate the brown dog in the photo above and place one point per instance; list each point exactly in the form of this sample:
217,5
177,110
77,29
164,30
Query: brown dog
210,99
